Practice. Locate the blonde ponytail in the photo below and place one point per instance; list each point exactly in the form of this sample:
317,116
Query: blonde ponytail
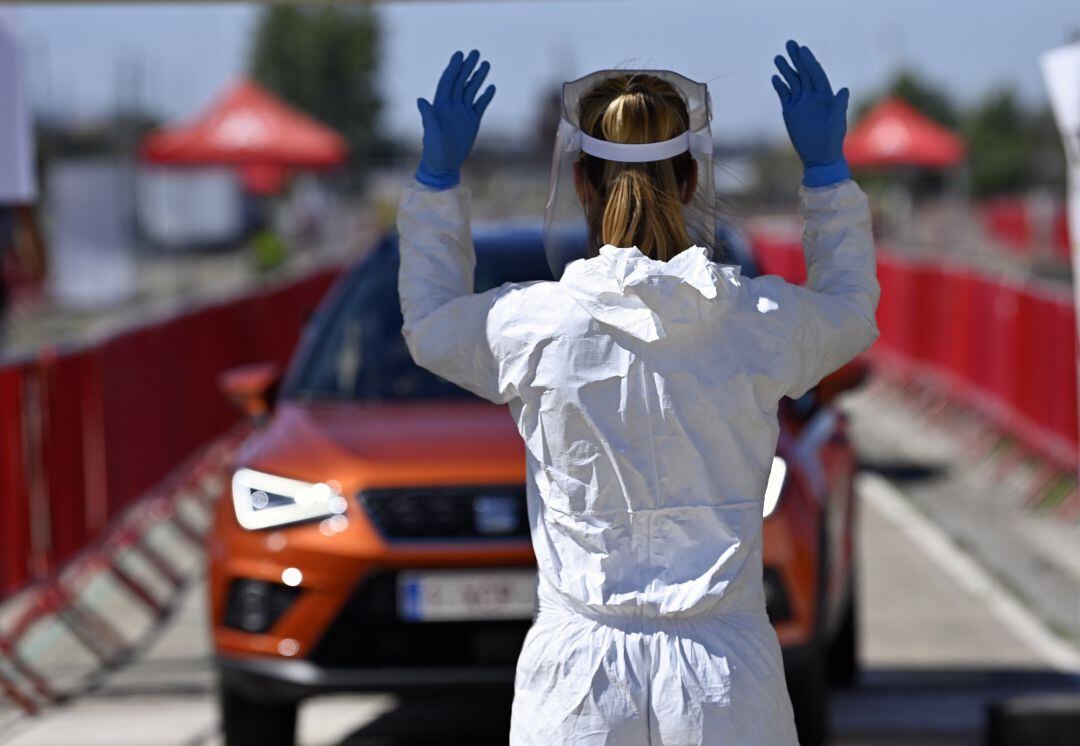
639,204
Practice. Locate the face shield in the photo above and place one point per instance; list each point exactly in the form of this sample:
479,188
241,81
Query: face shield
566,234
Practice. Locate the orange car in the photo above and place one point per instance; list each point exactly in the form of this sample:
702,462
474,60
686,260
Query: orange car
377,537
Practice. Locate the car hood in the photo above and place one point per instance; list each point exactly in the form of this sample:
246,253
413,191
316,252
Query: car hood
389,444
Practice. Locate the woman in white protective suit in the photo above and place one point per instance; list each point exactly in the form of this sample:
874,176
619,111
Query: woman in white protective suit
645,383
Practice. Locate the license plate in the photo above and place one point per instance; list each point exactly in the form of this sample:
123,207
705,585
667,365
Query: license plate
455,596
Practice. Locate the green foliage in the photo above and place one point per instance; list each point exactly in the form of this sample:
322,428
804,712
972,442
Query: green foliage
324,60
999,145
268,250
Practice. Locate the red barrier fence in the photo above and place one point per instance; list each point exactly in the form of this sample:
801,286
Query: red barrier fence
1026,226
84,432
1005,348
111,597
14,487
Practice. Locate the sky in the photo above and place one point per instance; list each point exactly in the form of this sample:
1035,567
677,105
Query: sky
81,59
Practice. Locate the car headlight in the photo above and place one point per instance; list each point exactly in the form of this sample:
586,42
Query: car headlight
777,477
264,500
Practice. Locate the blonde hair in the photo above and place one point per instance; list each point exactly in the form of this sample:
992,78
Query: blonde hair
639,204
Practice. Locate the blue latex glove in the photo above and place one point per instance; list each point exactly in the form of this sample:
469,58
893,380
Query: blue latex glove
816,118
451,123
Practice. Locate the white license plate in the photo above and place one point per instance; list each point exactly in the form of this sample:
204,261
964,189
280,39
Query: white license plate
466,595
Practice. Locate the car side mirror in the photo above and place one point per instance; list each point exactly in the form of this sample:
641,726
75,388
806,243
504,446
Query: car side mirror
251,388
849,377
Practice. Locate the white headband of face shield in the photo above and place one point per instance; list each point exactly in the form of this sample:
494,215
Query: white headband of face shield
700,143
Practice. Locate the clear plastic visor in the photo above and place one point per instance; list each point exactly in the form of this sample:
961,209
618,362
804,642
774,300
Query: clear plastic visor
566,235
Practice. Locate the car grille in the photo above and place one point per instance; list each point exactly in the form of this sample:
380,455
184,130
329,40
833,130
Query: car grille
368,633
486,512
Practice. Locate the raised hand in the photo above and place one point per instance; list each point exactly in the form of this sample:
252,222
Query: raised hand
452,121
816,118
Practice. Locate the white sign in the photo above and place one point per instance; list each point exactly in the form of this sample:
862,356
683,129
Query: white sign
1061,71
91,241
180,208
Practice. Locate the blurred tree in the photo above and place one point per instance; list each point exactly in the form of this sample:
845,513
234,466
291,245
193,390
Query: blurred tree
1046,166
1012,148
324,61
924,95
1000,145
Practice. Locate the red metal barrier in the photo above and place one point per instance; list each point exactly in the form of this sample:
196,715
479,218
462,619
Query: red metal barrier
959,359
14,497
896,310
1061,230
1011,221
138,383
998,331
160,396
84,433
1064,374
929,309
1036,357
72,458
1007,220
60,599
1005,348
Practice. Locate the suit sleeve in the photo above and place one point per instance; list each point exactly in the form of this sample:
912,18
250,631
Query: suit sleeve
820,327
448,329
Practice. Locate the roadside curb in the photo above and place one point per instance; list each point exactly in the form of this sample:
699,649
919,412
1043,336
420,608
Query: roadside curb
1056,652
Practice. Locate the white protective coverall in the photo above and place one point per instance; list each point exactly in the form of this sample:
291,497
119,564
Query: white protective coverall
646,393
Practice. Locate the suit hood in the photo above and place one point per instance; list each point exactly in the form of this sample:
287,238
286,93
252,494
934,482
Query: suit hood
648,298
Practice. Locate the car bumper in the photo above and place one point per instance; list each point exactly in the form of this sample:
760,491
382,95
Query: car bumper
285,680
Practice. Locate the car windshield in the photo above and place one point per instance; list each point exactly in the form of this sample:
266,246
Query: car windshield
357,351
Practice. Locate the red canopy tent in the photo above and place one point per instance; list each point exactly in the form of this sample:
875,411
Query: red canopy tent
250,128
895,134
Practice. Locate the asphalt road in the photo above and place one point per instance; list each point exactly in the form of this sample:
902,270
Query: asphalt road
941,639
